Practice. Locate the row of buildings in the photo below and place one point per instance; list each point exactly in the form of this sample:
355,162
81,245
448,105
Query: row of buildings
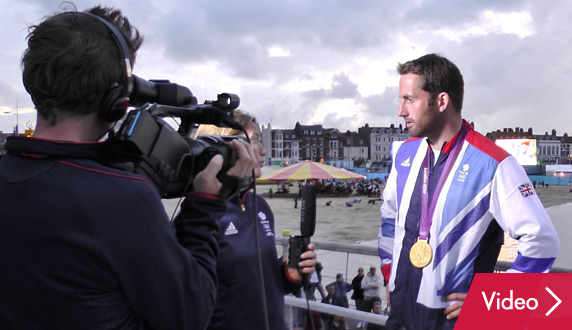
372,146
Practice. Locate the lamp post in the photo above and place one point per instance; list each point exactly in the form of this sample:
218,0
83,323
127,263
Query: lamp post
17,119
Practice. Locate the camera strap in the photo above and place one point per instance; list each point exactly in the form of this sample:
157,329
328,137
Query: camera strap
232,185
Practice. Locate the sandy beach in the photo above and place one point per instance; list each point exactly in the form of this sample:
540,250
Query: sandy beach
360,223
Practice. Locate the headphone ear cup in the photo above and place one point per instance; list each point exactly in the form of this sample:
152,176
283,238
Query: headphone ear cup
114,105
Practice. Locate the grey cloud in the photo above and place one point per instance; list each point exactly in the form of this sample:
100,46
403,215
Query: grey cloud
343,87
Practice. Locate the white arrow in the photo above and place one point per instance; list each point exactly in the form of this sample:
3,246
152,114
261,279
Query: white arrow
558,301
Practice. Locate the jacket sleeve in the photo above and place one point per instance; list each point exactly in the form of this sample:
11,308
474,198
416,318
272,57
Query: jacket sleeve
518,210
289,284
168,278
388,215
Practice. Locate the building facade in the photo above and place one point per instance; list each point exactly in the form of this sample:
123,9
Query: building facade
372,146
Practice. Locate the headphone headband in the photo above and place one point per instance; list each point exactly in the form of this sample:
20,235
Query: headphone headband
123,48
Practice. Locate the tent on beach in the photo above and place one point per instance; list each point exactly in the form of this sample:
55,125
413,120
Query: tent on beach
309,170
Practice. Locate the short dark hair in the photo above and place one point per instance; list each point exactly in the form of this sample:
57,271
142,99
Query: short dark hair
72,60
438,74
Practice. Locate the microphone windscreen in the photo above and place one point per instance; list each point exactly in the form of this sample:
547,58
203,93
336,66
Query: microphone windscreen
308,208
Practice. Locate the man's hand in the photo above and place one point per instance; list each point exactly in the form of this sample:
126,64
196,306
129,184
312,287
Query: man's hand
305,266
207,182
454,310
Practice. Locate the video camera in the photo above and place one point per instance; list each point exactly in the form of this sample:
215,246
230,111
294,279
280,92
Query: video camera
147,144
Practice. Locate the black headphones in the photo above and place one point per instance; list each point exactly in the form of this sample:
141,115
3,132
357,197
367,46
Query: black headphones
116,101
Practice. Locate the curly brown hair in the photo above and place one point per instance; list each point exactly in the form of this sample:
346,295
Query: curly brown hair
72,61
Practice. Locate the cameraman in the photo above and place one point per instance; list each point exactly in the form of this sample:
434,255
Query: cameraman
82,245
239,296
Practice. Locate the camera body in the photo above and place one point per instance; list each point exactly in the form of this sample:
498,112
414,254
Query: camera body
146,144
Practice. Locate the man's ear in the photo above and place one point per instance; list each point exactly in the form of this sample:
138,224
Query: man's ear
443,101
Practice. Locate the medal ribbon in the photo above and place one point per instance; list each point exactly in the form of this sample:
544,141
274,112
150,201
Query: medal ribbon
427,213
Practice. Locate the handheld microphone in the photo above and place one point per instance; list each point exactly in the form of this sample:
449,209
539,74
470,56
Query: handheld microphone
299,244
308,207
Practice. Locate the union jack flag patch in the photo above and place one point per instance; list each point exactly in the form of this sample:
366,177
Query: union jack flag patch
526,189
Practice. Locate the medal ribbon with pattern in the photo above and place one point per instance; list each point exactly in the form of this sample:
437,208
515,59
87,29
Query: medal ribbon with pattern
421,252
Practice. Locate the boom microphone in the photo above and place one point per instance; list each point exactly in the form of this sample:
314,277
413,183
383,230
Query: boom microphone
299,244
308,207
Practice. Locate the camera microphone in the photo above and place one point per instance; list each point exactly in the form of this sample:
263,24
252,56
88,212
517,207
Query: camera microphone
308,207
299,244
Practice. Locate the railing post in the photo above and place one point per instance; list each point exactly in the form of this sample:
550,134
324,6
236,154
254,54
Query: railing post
288,316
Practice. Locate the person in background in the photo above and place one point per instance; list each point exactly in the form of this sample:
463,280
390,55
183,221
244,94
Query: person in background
376,310
357,295
341,288
315,315
371,285
240,279
331,299
84,245
336,322
450,195
316,281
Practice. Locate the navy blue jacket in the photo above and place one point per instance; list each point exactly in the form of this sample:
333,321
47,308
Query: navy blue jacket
239,298
85,246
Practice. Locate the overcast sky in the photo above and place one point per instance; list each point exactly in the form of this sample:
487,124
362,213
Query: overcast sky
333,62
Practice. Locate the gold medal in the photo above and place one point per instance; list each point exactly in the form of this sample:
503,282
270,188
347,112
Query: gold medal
421,253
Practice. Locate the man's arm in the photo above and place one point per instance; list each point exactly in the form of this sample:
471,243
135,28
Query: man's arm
520,213
386,234
518,210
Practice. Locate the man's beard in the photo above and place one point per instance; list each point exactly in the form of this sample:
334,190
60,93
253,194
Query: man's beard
430,123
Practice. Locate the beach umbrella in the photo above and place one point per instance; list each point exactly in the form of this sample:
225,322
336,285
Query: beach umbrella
269,169
309,170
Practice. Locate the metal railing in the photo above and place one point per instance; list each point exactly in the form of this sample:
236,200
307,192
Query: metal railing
353,314
348,313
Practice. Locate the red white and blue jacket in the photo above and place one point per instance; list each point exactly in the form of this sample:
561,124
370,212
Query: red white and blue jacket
486,192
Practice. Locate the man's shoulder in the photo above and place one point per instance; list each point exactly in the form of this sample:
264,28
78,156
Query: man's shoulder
486,145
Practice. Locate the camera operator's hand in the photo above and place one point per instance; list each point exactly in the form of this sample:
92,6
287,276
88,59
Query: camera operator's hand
207,182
